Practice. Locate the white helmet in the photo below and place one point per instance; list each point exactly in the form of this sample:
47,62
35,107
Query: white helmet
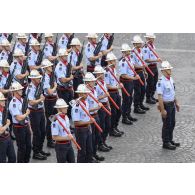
60,103
125,47
75,41
89,77
4,64
110,56
82,89
92,35
34,74
165,65
34,42
16,86
48,35
46,63
98,70
21,36
18,52
5,42
62,52
150,35
137,39
2,97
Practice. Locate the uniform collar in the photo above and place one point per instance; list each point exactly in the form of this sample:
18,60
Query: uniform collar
62,115
1,109
83,101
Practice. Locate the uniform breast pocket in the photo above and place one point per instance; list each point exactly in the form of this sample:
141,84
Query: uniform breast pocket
20,107
167,89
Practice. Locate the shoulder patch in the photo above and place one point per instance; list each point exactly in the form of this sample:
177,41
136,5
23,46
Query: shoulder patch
54,125
123,60
145,51
131,55
159,84
15,62
123,64
62,38
2,53
62,42
88,45
14,100
76,110
14,105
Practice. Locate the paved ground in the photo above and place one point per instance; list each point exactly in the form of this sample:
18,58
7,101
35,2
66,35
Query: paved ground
142,141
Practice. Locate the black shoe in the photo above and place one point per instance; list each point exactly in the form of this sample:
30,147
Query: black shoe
93,160
139,111
169,146
144,107
117,130
50,144
100,158
39,156
109,147
103,148
126,121
131,118
150,101
45,153
114,133
175,143
154,99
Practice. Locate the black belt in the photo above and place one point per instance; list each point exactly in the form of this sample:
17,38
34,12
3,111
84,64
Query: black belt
169,103
63,142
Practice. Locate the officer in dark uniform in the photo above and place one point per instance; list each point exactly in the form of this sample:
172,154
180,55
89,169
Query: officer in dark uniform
77,69
50,93
105,119
89,80
63,147
4,74
139,90
113,89
127,77
167,105
6,144
49,46
64,77
82,124
6,47
33,54
37,116
152,62
91,59
21,126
